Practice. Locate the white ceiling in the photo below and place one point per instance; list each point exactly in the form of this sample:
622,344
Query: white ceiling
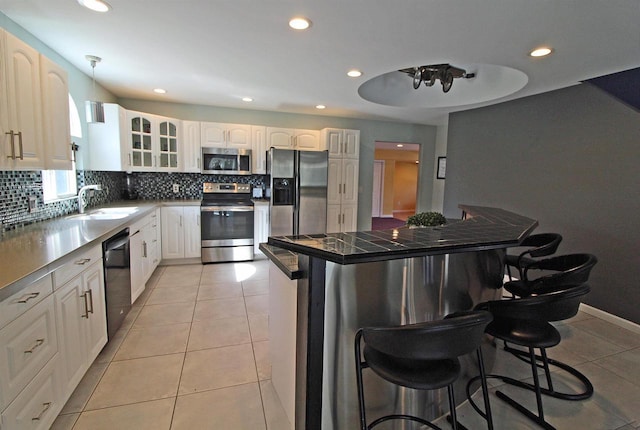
214,52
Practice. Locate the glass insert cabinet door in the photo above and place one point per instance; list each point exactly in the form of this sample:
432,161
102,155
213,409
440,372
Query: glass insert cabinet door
168,145
141,147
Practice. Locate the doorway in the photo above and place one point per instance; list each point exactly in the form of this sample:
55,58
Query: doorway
395,183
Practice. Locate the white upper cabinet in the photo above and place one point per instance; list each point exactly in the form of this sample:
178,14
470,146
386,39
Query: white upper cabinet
139,146
259,150
168,148
108,147
341,143
291,138
55,114
21,117
135,141
191,145
226,135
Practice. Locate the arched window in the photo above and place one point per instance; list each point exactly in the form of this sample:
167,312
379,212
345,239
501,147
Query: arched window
74,119
61,184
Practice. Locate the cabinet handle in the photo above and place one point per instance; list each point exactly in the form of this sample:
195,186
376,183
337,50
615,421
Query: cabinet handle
90,292
198,162
35,346
45,407
82,262
129,154
20,145
27,297
13,146
86,306
144,249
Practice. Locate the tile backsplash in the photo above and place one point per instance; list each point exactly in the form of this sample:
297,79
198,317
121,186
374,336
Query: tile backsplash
17,186
159,186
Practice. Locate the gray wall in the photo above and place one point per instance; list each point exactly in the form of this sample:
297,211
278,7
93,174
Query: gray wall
370,132
570,159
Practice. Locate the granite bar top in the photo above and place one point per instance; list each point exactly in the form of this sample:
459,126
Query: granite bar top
28,253
482,228
286,261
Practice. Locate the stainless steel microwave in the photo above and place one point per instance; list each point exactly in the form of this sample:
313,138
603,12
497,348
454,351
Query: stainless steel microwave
226,161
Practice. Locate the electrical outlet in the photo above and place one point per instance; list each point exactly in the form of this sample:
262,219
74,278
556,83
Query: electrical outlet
33,204
176,188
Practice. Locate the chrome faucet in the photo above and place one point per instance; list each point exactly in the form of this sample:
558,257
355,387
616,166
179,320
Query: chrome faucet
83,196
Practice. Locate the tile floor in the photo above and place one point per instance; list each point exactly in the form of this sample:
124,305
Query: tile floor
193,354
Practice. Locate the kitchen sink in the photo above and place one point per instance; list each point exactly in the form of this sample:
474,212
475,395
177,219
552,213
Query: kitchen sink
104,214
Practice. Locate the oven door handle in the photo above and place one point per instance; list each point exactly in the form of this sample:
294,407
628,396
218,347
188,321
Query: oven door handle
226,208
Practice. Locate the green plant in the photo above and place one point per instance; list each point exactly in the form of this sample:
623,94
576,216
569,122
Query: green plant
427,219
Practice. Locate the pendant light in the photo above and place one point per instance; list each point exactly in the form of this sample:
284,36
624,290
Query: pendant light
94,108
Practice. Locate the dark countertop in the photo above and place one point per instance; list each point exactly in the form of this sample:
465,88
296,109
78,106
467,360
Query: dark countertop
483,228
286,261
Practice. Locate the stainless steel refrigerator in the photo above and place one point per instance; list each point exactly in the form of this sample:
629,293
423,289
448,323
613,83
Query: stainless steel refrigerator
298,202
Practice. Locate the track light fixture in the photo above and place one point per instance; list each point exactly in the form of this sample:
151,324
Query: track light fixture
446,73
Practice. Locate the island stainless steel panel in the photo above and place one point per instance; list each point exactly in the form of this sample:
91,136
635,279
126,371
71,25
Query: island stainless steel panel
397,292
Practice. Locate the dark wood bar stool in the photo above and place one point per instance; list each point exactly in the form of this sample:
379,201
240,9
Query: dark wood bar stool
422,356
538,245
526,322
562,270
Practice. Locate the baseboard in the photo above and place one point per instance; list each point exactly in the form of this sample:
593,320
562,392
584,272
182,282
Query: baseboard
613,319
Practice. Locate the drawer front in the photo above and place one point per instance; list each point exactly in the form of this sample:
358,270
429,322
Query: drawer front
25,346
76,265
37,407
17,304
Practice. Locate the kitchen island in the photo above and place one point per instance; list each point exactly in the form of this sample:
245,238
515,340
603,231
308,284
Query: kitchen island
379,278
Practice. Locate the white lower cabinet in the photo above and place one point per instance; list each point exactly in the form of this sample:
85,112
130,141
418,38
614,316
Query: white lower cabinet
342,218
137,263
260,225
81,324
143,245
38,405
52,331
180,232
27,344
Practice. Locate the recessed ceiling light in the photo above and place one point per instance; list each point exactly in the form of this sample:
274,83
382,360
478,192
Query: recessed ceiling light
321,107
247,99
95,5
540,52
399,145
159,91
354,73
299,23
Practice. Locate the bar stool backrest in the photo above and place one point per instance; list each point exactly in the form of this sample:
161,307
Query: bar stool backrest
571,269
458,334
554,306
542,244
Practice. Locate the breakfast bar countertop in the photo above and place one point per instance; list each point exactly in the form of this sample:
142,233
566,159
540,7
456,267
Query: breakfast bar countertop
482,228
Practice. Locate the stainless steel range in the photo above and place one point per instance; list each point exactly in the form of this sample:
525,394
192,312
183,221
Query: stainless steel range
227,222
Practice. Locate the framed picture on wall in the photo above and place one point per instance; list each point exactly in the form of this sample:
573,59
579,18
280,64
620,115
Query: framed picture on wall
442,167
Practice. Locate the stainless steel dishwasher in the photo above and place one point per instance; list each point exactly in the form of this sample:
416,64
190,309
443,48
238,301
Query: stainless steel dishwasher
117,279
